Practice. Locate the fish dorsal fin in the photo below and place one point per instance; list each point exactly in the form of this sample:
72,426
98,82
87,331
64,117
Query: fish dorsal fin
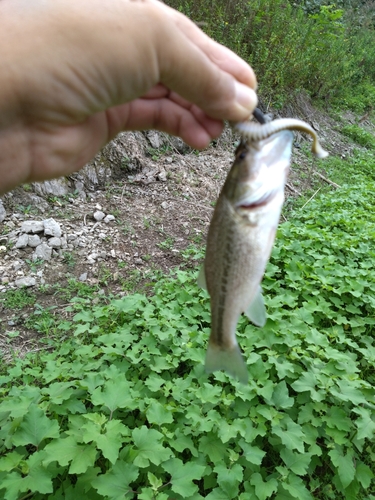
201,281
256,312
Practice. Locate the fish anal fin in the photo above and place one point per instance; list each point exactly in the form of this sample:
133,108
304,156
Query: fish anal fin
230,360
256,312
201,281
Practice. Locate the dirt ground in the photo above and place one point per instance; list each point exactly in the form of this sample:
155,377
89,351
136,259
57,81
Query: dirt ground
160,214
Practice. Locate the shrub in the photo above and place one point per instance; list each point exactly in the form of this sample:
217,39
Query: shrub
325,53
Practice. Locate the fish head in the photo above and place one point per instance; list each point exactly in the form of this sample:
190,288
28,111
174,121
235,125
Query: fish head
259,172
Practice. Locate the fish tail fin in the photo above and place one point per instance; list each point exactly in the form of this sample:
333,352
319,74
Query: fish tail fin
230,360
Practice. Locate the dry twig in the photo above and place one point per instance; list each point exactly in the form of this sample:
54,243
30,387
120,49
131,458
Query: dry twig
313,196
327,180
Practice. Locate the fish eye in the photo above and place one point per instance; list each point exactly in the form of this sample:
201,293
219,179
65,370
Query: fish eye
242,155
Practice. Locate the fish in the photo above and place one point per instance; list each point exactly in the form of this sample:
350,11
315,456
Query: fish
241,235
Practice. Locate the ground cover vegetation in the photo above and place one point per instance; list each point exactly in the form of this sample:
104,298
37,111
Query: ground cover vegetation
121,407
118,405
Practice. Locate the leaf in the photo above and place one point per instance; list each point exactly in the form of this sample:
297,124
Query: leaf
212,446
229,478
209,393
307,382
67,450
59,391
109,440
217,494
180,442
18,403
348,392
295,486
253,454
292,437
37,479
280,397
154,481
115,394
149,448
263,489
364,474
10,461
365,424
158,414
114,484
183,476
336,417
35,427
296,462
344,464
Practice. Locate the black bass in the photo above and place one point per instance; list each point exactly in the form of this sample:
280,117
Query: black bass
241,235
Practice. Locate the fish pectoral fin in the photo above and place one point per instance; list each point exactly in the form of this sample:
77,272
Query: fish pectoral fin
201,281
256,312
229,360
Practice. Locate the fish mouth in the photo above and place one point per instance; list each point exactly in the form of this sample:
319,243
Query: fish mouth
260,202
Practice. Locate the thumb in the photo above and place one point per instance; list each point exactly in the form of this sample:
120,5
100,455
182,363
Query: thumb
203,71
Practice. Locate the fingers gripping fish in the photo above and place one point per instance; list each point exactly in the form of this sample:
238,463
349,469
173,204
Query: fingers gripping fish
241,235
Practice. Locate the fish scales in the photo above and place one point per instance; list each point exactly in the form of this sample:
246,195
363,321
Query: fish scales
239,244
241,235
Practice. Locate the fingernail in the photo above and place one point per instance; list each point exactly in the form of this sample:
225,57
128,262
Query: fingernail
246,96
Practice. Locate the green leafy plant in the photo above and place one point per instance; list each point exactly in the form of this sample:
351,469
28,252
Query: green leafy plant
123,408
18,299
167,244
359,135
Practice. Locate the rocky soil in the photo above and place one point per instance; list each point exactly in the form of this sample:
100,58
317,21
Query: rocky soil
139,206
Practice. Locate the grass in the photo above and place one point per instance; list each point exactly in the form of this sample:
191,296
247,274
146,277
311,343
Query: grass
18,299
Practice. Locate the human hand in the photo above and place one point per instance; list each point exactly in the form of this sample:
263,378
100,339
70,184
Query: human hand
75,74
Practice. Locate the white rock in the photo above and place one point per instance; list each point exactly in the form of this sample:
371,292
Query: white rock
98,207
3,249
54,242
34,240
109,218
154,138
42,251
26,281
83,277
3,213
164,205
162,176
52,228
55,187
99,215
32,226
22,241
113,253
64,243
